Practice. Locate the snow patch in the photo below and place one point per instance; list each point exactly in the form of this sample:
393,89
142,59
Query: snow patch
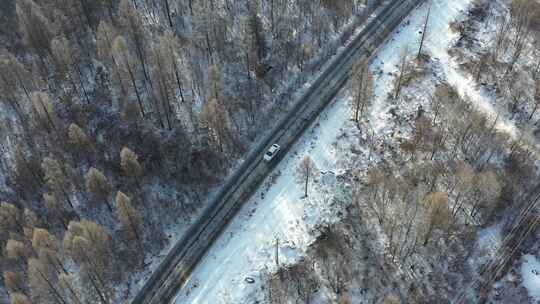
530,273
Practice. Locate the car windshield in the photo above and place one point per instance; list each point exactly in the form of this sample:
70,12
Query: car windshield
269,153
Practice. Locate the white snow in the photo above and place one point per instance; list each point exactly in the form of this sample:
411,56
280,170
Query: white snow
464,84
246,248
276,210
439,39
530,273
489,239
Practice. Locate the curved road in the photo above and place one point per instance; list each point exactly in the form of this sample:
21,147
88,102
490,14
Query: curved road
171,274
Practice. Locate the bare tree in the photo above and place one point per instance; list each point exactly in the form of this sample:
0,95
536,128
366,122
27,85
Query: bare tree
256,50
462,185
306,170
425,30
487,190
536,99
362,85
438,214
403,69
215,119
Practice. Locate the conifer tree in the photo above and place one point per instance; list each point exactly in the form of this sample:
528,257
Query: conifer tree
56,177
126,70
44,110
13,281
130,163
19,298
98,186
17,251
36,28
129,217
10,217
79,139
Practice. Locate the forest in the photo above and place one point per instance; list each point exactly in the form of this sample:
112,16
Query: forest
443,205
118,118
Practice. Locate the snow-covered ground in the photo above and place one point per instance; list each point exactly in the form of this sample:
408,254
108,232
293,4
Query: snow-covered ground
277,210
438,40
246,248
530,273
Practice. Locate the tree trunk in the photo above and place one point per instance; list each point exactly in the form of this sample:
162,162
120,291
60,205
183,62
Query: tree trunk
168,12
306,185
52,288
82,84
178,82
132,77
424,31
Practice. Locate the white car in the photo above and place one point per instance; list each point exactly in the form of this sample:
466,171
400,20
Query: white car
272,152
